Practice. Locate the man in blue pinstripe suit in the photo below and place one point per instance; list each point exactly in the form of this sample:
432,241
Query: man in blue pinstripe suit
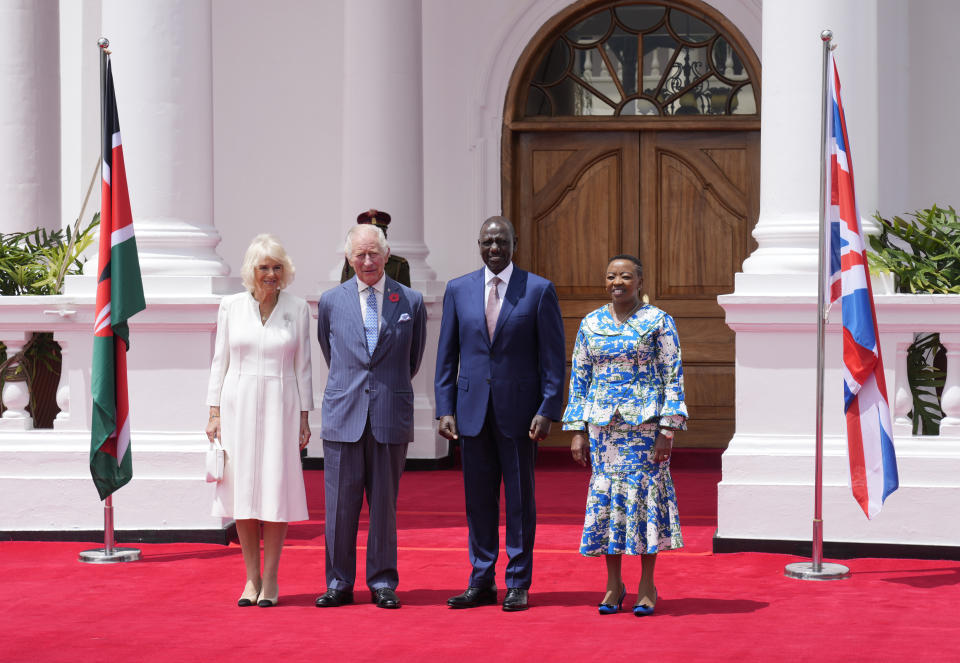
372,332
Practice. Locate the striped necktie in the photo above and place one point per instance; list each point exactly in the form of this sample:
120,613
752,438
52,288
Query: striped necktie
370,320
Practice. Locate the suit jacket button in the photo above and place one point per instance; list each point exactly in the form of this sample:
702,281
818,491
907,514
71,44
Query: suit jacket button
488,380
367,390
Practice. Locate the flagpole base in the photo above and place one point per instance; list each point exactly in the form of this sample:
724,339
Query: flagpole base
805,571
100,556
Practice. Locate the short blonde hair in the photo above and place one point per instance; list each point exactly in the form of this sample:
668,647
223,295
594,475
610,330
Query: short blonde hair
365,227
265,246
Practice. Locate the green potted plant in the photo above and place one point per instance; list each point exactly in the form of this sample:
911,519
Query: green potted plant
924,257
35,263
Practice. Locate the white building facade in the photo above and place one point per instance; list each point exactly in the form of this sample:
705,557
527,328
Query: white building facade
290,117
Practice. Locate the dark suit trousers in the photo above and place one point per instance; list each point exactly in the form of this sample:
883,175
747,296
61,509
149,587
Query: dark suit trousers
486,459
350,469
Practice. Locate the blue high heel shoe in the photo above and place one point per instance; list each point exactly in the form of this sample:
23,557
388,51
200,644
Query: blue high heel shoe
611,608
640,610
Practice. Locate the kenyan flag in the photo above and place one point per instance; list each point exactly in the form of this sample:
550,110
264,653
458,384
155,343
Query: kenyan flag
119,296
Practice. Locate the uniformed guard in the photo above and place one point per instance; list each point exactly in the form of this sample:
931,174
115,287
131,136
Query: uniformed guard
397,267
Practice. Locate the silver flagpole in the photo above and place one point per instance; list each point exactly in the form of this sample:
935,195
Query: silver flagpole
109,554
816,569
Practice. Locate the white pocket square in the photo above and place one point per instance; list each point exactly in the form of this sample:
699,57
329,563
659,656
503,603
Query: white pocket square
403,317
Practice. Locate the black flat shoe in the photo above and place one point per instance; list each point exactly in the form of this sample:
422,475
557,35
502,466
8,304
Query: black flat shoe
384,597
334,598
515,600
473,597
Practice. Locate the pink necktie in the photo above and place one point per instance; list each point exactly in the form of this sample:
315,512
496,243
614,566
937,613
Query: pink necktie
493,306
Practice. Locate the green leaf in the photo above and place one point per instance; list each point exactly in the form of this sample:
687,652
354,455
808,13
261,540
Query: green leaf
35,262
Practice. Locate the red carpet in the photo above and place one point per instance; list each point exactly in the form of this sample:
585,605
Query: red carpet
178,602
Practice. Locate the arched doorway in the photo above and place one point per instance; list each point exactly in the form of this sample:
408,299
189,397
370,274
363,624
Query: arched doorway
635,127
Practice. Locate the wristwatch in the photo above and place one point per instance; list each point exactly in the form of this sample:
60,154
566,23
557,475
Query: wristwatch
667,433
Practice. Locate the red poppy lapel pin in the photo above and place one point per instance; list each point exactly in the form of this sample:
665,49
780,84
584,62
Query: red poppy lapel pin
394,297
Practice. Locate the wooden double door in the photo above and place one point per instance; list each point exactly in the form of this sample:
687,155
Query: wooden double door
684,202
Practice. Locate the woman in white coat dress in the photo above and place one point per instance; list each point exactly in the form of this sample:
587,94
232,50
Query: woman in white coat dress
259,396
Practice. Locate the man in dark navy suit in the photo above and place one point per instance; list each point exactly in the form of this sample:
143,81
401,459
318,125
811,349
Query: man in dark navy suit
499,377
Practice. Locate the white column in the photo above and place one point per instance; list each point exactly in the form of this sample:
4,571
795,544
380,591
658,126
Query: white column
902,398
162,69
383,124
950,400
29,115
383,166
80,26
63,387
768,467
16,393
787,229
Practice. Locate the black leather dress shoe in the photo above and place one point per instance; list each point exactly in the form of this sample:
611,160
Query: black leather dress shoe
515,600
473,597
384,597
334,598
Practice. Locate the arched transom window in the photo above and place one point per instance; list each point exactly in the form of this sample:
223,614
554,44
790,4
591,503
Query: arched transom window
640,58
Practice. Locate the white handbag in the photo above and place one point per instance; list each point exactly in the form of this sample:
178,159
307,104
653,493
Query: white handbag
215,459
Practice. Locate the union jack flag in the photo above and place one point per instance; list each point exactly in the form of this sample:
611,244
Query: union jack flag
873,463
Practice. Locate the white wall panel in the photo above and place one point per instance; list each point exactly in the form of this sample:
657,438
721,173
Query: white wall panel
277,82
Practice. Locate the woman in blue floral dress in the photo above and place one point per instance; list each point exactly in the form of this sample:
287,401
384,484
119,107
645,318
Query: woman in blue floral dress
626,393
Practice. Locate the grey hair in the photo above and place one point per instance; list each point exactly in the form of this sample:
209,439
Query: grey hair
265,246
370,228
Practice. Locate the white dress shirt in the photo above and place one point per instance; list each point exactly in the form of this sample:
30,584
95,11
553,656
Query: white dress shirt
504,277
378,288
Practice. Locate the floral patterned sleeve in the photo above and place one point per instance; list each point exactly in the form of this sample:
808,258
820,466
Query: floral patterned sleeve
581,375
673,412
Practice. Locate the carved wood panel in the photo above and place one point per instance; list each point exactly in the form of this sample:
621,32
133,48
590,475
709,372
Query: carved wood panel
577,205
684,202
699,203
